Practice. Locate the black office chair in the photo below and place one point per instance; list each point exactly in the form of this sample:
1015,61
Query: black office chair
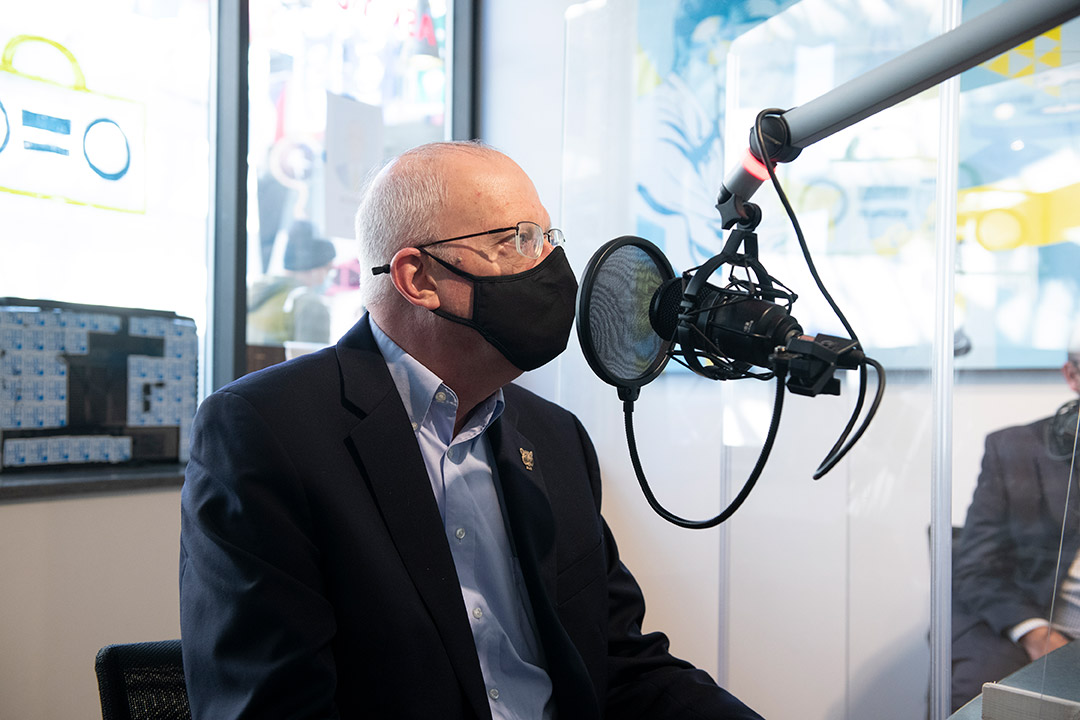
142,681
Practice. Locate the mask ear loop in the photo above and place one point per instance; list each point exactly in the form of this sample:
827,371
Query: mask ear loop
388,269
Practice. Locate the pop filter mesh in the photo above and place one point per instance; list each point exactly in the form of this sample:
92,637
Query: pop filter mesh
619,341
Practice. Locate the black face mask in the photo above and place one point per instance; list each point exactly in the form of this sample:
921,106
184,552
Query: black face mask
526,316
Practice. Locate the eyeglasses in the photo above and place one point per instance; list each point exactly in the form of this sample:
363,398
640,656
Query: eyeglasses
528,238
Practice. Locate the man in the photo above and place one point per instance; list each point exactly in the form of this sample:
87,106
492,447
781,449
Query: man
386,528
1006,569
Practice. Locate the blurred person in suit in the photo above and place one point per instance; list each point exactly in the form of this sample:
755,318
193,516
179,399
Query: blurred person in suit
1006,570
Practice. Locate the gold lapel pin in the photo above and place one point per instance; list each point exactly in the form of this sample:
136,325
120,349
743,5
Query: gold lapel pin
526,458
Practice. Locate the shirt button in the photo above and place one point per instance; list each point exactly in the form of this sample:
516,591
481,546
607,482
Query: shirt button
451,453
460,533
494,693
477,613
414,426
440,396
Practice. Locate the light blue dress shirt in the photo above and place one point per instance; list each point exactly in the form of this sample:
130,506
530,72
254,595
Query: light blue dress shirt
461,469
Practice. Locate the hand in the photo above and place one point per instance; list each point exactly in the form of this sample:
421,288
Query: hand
1042,640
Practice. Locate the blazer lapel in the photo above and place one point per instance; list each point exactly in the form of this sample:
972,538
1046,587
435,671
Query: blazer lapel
390,460
526,506
1055,481
531,525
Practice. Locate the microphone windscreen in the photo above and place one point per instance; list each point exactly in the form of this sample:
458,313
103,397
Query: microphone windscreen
614,327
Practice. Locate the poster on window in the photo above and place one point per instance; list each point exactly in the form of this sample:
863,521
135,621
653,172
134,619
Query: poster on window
60,140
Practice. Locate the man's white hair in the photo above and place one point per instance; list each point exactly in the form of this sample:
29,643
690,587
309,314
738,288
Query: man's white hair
402,206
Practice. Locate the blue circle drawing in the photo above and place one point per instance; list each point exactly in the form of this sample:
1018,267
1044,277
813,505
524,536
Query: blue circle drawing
127,164
7,128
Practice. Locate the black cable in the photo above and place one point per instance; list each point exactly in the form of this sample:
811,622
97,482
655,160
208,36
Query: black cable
834,454
763,456
828,463
859,399
769,166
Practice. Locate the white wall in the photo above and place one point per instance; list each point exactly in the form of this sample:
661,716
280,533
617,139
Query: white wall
77,574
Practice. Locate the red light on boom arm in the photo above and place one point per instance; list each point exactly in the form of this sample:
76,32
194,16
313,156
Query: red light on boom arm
755,167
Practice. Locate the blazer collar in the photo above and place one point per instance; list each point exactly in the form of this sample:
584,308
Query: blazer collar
389,458
365,381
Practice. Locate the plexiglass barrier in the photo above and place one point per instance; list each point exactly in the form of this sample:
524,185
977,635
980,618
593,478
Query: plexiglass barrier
815,599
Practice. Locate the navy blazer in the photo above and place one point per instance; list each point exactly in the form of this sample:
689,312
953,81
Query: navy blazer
316,579
1007,554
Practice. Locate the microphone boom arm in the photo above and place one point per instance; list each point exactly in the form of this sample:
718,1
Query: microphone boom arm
949,54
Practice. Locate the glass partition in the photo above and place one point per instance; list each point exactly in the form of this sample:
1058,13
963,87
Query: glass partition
822,588
1014,505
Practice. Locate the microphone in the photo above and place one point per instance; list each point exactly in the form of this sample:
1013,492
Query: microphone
635,314
735,330
739,326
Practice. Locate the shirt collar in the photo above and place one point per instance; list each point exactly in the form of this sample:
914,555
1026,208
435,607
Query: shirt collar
417,385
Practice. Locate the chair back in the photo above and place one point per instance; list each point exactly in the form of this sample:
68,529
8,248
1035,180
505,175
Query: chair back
142,681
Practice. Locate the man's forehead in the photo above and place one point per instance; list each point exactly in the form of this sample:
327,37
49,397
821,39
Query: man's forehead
498,188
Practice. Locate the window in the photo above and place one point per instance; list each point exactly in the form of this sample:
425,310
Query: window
334,89
108,166
105,175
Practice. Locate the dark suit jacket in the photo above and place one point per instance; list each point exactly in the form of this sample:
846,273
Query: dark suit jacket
1005,560
316,580
1007,555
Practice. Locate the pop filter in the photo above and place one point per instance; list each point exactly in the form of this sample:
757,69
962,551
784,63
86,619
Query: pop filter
617,288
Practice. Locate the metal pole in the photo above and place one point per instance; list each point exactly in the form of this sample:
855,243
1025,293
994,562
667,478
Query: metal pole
228,278
941,383
945,56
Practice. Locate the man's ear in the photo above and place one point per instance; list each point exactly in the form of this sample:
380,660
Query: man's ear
412,280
